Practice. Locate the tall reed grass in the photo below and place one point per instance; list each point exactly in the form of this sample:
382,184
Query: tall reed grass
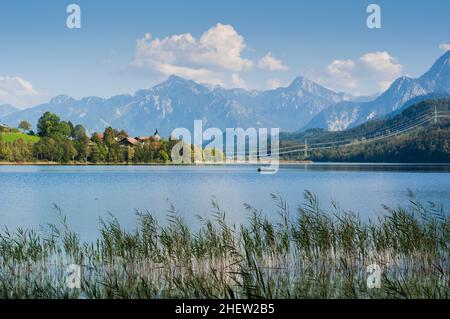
306,253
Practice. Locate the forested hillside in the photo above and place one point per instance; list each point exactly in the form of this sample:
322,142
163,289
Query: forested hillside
421,133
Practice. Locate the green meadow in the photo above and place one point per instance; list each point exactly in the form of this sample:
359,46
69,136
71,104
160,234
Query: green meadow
11,137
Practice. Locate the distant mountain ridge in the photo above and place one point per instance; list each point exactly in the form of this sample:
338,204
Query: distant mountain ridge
7,109
177,102
349,114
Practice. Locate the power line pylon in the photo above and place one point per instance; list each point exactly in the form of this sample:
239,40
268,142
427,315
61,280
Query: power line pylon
306,148
435,115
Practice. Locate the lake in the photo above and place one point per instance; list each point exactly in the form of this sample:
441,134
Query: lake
86,193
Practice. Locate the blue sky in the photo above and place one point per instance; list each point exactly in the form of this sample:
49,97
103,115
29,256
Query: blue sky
251,44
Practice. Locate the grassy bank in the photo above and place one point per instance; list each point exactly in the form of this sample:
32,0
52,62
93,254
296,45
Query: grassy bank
11,137
306,253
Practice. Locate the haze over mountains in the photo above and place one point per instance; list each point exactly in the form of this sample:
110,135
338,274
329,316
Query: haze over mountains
6,110
177,102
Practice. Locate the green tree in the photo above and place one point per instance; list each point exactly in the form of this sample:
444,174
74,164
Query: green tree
64,130
48,125
69,152
21,151
71,128
83,150
47,149
122,134
109,136
96,139
98,153
79,132
25,126
130,154
164,156
6,153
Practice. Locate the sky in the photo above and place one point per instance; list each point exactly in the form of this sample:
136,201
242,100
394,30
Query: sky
124,46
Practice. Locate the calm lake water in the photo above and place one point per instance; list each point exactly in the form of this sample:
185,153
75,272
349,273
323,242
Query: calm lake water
86,193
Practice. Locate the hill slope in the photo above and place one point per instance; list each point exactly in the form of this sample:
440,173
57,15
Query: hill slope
411,136
11,137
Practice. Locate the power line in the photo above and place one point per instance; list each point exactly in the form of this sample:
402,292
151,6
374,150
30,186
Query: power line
375,135
399,129
296,148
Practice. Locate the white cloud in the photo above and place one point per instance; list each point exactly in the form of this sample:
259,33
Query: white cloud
237,81
343,70
269,62
17,91
372,72
203,75
223,45
381,63
207,59
444,46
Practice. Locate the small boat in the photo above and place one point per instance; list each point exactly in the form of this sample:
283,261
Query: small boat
266,169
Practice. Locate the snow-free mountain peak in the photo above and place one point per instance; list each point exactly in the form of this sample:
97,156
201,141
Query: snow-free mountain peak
178,84
61,99
303,84
441,66
438,77
176,80
349,114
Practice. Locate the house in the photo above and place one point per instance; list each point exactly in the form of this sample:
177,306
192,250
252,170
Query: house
4,128
128,141
143,139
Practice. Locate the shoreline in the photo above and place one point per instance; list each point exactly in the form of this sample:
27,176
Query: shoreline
147,164
45,163
280,164
339,166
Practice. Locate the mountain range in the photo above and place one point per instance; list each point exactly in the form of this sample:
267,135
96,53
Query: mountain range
349,114
177,102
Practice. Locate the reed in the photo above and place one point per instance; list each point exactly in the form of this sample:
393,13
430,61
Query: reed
304,253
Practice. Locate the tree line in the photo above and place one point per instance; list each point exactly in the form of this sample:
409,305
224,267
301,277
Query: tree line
62,142
425,145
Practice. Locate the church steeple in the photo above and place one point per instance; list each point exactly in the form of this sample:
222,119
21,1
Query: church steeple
156,136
